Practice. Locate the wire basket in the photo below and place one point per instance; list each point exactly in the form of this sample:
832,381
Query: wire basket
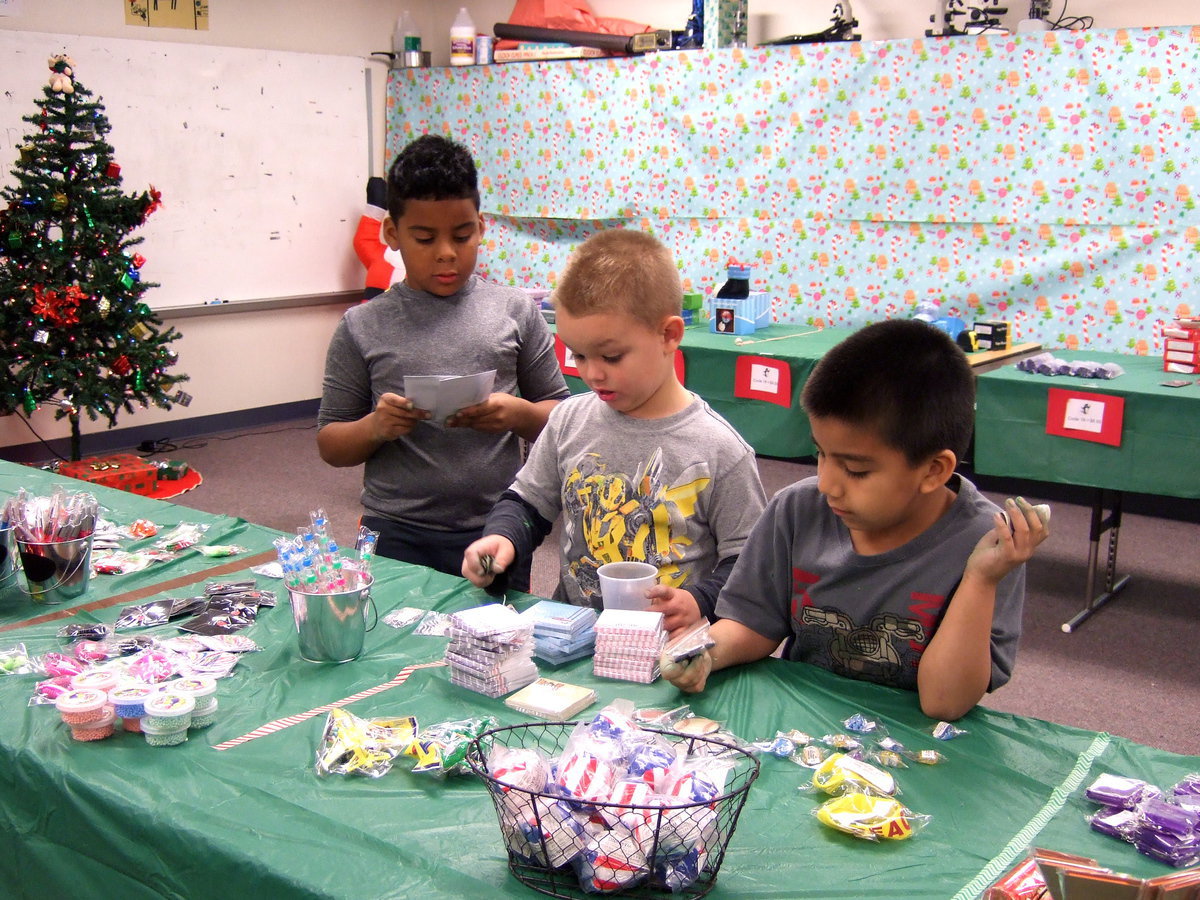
675,851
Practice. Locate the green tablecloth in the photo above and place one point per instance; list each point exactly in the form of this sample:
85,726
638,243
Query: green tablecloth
124,508
124,819
1159,443
711,361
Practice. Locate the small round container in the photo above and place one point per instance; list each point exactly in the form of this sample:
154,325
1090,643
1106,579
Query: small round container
168,712
163,735
202,719
202,689
82,706
98,679
133,724
130,702
95,731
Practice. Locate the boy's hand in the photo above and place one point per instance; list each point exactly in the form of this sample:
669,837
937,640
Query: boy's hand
395,416
1007,546
497,414
679,607
689,676
486,558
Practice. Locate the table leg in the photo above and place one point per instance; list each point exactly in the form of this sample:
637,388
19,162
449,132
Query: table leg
1112,584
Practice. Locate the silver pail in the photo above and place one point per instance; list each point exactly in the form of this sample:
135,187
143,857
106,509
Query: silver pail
331,627
56,571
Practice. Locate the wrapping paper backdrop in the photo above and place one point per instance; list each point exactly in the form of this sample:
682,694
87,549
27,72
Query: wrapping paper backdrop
1045,179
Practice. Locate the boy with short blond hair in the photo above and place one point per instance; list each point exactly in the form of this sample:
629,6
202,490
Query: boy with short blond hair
887,566
640,468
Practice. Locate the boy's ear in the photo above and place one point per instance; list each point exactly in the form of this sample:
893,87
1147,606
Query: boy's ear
938,469
391,234
481,228
672,329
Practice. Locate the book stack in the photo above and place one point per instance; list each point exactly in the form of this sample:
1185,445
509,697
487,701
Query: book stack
529,51
561,632
628,643
556,701
1181,346
490,650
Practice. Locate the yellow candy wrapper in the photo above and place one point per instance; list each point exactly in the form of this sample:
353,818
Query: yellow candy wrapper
845,773
870,817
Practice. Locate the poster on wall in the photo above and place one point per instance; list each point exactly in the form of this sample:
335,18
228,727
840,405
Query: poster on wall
191,15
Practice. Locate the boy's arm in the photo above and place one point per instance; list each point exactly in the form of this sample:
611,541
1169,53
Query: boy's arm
956,668
735,644
353,443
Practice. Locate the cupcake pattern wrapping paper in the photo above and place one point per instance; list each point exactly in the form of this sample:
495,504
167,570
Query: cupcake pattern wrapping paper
1044,179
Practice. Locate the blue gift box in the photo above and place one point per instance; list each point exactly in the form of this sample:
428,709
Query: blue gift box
741,316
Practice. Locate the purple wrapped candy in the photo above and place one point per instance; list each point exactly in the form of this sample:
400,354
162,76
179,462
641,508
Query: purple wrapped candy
1189,785
1115,822
1116,790
1168,818
1174,851
611,861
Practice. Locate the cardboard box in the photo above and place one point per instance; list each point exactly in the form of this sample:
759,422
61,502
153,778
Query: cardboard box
122,471
1183,368
993,335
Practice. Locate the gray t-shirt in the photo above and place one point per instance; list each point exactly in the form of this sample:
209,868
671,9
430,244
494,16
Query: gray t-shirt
868,617
438,478
680,492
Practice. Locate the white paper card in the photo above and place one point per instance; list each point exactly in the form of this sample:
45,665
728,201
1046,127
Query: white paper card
1084,415
764,378
444,395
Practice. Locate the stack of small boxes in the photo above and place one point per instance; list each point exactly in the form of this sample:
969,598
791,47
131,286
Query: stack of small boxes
628,644
561,632
1181,346
491,650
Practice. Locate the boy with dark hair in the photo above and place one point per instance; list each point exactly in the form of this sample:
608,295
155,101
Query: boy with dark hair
641,468
887,566
427,486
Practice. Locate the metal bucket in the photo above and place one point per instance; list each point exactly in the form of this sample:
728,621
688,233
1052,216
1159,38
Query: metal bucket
8,558
331,627
56,571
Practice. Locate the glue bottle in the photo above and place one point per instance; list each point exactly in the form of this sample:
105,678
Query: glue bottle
462,39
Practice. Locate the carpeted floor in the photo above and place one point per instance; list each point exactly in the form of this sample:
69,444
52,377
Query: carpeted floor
1131,670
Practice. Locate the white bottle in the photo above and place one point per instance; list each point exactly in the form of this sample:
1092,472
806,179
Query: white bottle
462,39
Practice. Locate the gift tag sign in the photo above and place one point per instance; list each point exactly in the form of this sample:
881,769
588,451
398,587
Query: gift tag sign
1085,416
763,378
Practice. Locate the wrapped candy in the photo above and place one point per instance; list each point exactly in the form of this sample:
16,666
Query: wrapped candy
682,871
1115,822
612,861
354,746
1170,849
652,763
870,817
517,767
552,832
845,773
1168,818
1116,790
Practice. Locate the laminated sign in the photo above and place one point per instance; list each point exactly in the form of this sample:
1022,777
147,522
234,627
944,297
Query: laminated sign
763,378
1084,416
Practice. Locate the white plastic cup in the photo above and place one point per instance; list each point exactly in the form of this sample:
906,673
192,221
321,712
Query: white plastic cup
623,585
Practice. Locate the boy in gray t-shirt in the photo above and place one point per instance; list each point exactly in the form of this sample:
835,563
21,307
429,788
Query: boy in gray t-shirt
641,468
428,485
887,566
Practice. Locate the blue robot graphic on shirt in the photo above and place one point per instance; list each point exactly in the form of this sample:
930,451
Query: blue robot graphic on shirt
865,651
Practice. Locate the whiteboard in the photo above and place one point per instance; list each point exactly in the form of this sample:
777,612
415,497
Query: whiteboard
261,157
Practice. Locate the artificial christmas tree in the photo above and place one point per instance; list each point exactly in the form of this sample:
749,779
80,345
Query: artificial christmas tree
78,334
